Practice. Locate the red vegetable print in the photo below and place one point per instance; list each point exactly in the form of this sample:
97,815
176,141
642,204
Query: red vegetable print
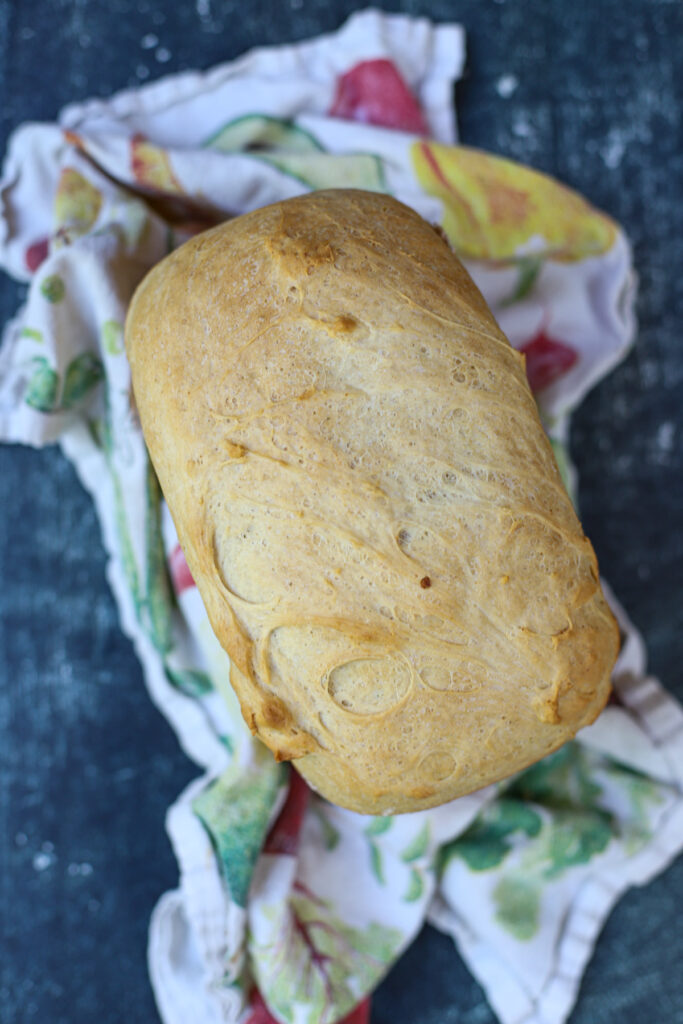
546,360
180,571
374,92
36,254
284,835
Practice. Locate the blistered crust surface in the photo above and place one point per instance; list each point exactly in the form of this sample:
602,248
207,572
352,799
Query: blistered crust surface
367,501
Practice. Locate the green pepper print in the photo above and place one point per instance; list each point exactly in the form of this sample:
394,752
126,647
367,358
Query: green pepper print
82,374
43,385
42,391
112,337
52,288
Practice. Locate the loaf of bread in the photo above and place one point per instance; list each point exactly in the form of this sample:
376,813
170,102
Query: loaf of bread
368,502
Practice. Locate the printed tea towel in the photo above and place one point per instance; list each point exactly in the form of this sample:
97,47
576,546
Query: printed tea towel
288,908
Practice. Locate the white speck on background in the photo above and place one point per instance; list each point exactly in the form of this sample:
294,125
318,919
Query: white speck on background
204,9
48,847
649,373
521,126
614,149
623,464
149,41
66,672
42,861
665,436
21,839
80,869
162,55
26,34
142,72
506,85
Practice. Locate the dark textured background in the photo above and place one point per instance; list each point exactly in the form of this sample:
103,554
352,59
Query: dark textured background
87,765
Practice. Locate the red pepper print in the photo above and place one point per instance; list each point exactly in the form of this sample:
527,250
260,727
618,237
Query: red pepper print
374,92
180,571
546,360
284,834
36,254
259,1011
360,1014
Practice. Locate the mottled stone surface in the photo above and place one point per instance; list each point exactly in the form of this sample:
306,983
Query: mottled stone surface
584,90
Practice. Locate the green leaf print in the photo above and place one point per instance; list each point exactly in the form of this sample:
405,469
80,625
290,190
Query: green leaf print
32,333
527,270
575,837
418,847
479,853
518,904
41,390
316,970
189,681
644,797
236,813
82,374
564,779
376,863
128,559
487,842
159,600
112,337
378,826
565,807
52,288
415,887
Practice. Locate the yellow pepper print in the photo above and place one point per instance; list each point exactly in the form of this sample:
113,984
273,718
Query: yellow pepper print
151,167
493,207
77,204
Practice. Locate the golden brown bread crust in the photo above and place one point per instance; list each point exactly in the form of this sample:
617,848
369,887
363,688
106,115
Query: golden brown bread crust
368,502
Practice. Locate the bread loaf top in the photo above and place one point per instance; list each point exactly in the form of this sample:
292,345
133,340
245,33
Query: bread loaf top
368,502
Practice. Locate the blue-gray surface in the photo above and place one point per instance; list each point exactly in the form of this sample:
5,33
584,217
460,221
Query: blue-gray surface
87,765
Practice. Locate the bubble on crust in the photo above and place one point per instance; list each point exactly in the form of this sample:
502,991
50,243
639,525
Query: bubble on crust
436,766
563,577
460,677
245,575
369,686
